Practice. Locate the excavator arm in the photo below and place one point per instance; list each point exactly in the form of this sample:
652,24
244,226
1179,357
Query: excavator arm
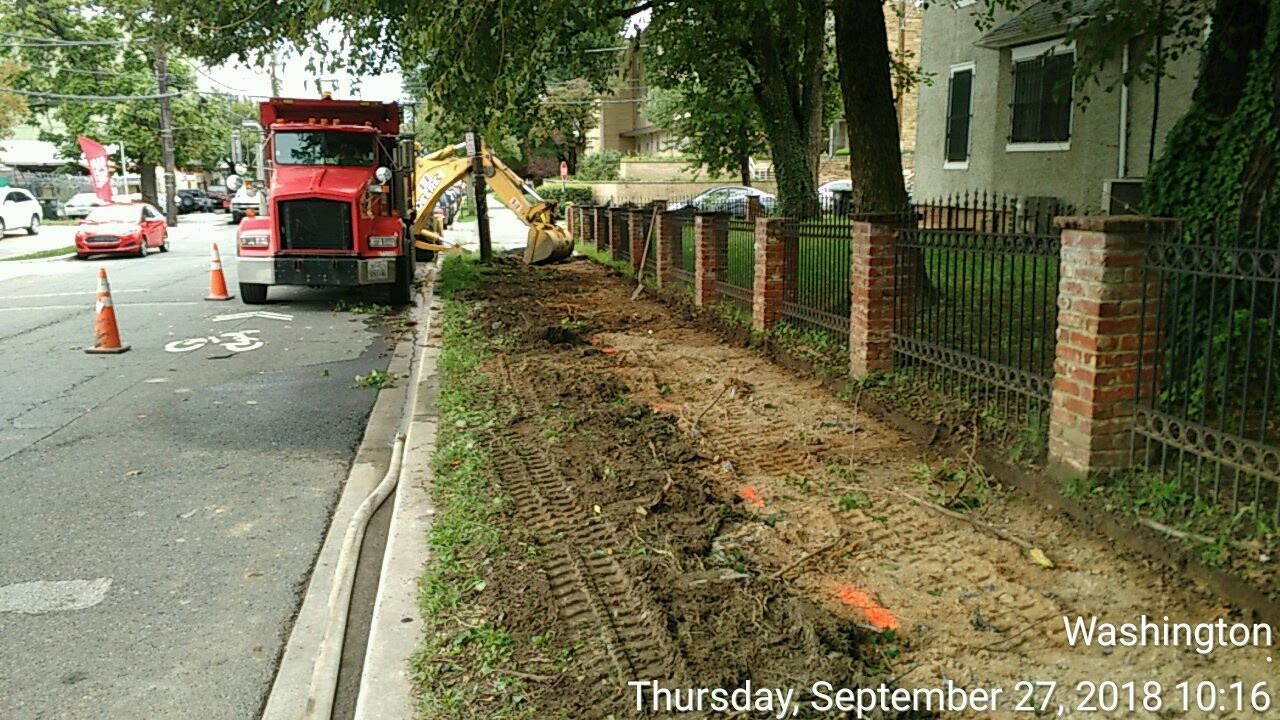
440,170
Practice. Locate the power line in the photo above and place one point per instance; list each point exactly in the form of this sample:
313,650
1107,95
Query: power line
88,98
55,43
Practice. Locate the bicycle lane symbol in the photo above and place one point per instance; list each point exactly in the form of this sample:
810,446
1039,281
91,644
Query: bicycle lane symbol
234,341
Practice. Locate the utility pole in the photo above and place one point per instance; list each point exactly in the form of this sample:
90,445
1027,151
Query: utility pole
166,135
475,147
124,173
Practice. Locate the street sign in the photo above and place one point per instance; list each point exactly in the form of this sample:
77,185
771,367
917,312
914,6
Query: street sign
564,170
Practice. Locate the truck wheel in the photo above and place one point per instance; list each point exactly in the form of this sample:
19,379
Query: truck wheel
401,291
424,255
253,293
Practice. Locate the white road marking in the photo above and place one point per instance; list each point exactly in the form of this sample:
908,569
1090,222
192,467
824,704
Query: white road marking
237,341
264,314
69,294
46,596
29,308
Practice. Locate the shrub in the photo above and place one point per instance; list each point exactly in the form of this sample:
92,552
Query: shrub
575,194
605,165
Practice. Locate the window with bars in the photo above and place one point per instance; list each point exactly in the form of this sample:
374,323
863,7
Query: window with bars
959,112
1042,98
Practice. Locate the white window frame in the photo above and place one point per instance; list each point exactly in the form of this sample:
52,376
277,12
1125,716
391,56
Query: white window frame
1056,46
960,67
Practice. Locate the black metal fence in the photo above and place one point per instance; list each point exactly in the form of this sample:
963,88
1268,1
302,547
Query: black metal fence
738,252
975,301
816,269
681,225
1208,399
621,229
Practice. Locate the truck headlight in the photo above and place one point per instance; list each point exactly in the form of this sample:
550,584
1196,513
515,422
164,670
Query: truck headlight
254,240
383,241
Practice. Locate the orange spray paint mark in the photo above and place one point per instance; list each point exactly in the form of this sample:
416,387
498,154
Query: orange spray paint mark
878,616
751,496
609,351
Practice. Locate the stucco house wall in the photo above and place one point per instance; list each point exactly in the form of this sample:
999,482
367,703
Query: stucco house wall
1073,173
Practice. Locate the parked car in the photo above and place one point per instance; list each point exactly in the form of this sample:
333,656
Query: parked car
220,197
122,229
194,201
19,209
731,199
80,204
245,199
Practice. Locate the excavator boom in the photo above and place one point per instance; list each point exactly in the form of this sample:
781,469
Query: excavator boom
440,170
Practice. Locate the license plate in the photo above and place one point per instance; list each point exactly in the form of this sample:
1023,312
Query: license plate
379,270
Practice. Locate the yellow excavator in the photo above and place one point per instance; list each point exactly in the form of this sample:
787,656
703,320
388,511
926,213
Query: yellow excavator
438,171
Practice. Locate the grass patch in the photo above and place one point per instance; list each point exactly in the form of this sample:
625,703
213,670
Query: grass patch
1237,539
376,379
455,669
54,252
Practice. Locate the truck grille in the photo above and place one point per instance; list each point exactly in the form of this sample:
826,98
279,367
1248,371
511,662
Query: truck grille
315,225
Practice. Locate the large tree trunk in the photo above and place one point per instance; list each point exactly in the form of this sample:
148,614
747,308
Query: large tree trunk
744,167
788,90
875,158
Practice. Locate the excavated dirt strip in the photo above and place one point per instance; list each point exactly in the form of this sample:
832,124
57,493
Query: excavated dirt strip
704,516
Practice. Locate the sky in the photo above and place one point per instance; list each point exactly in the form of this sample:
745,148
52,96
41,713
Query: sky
297,81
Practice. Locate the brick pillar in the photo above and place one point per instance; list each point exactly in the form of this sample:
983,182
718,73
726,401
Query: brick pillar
871,295
600,227
770,275
754,210
1100,327
667,246
568,221
639,224
710,231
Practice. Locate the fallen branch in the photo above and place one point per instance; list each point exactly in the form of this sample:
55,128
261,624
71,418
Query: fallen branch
1176,533
809,556
1002,534
707,409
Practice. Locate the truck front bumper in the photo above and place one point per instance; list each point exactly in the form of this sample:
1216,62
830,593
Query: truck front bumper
342,271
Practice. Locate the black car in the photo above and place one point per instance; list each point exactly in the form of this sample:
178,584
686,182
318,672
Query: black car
196,201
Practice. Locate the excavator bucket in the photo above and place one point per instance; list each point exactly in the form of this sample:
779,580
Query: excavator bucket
547,244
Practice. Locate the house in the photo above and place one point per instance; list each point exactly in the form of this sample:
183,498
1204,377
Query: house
622,126
997,116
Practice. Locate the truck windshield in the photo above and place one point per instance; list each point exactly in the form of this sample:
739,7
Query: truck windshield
326,147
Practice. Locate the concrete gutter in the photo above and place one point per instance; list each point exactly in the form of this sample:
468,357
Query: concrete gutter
395,631
288,695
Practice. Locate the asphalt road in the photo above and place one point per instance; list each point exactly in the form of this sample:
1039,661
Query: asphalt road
160,511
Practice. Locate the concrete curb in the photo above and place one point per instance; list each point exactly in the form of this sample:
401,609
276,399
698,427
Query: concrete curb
386,689
288,695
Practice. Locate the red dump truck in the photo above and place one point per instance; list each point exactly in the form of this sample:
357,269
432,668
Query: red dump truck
339,204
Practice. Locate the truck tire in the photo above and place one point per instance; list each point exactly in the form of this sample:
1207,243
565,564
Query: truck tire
401,291
424,255
253,293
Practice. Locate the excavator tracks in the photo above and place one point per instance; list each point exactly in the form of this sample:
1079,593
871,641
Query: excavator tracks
613,618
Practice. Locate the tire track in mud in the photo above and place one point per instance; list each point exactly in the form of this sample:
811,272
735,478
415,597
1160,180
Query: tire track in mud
596,596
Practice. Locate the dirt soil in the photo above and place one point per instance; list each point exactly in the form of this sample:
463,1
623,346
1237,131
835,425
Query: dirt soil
688,511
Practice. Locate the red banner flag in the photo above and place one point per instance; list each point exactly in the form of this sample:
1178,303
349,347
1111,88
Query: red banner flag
96,156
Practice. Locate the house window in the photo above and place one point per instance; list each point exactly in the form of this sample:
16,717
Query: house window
1041,106
959,113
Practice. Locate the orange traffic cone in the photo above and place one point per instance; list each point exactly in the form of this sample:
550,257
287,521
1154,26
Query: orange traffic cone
217,283
106,336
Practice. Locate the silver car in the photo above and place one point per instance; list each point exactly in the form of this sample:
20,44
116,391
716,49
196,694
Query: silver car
80,204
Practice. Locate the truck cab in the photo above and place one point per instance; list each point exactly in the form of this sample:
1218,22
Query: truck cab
339,182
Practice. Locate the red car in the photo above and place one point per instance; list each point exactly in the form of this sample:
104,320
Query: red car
122,229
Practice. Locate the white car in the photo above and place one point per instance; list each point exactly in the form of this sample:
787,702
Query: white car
81,203
827,192
19,210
